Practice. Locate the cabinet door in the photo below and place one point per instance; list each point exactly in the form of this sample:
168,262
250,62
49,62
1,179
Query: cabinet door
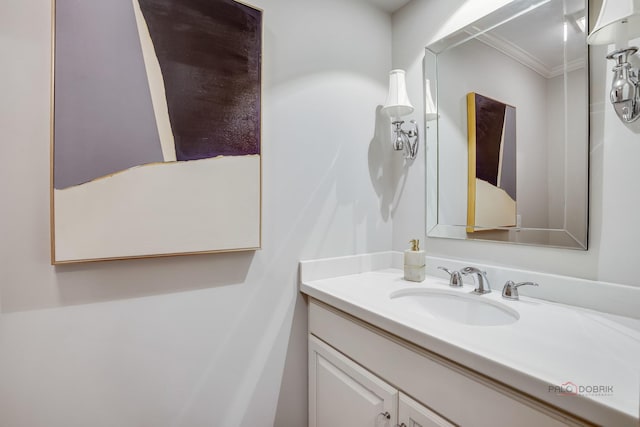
344,394
413,414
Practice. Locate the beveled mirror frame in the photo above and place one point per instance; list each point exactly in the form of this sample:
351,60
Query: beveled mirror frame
573,233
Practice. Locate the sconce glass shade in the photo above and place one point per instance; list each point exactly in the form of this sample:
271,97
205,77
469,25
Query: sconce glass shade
397,104
430,112
618,22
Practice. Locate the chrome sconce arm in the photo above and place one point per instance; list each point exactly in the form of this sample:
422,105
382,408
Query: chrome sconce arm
625,88
406,140
618,22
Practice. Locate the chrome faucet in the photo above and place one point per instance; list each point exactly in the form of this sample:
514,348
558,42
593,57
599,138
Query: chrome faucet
484,287
510,290
455,279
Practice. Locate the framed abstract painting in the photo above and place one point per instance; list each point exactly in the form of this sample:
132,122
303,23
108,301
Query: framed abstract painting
156,129
492,195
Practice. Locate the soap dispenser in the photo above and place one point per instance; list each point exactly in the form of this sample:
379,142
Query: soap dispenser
414,264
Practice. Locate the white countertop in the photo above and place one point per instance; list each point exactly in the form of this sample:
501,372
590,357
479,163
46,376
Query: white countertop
550,345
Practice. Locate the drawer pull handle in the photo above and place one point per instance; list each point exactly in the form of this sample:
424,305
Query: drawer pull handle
386,415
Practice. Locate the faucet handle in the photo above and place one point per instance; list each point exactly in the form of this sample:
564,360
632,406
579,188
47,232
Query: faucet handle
455,278
510,290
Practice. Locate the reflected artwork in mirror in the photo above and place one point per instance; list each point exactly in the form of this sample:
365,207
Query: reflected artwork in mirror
494,176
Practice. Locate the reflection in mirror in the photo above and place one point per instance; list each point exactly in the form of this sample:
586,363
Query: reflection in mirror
508,156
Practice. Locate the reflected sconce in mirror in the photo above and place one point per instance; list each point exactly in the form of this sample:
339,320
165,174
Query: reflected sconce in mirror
430,112
397,106
618,22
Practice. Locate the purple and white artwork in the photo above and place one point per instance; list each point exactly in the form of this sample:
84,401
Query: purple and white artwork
156,142
492,194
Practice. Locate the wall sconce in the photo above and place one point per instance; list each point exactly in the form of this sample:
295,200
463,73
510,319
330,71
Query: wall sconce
618,22
397,106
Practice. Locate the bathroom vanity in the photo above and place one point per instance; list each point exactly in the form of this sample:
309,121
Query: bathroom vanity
387,352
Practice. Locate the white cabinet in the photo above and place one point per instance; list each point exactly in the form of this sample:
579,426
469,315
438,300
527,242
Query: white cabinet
344,394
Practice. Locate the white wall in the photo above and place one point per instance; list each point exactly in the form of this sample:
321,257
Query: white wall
199,340
614,202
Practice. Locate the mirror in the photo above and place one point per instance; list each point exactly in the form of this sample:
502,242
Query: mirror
507,158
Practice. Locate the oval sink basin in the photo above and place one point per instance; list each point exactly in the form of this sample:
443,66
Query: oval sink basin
458,307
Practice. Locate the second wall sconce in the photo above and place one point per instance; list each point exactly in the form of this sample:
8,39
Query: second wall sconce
618,22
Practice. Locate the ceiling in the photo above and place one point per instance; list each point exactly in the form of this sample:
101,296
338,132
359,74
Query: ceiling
389,5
